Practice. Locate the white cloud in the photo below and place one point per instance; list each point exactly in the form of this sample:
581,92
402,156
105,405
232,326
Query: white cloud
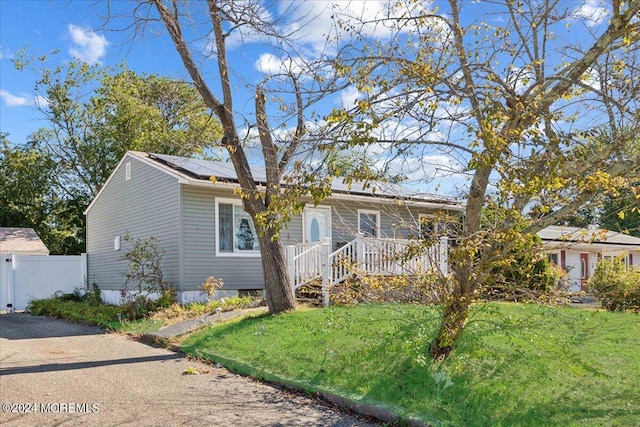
22,100
312,23
271,65
315,20
88,46
424,169
40,101
349,96
593,11
591,78
519,79
11,100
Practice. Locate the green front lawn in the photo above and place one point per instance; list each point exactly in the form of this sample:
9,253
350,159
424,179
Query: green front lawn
526,365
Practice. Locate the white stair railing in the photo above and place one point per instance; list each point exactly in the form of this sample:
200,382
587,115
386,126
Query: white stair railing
306,262
341,262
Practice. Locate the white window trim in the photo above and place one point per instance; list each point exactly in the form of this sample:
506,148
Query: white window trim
304,219
234,254
442,227
557,254
437,224
611,255
127,171
371,212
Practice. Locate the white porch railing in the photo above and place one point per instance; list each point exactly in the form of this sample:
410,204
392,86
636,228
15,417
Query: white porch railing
307,262
312,261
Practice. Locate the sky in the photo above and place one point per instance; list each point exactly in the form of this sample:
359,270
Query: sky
75,28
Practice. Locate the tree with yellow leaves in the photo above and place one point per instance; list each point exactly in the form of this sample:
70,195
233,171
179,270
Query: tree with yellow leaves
536,102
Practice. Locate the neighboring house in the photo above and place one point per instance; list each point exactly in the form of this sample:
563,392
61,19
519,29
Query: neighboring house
21,241
204,231
577,250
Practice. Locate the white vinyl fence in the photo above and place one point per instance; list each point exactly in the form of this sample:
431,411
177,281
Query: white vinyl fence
27,277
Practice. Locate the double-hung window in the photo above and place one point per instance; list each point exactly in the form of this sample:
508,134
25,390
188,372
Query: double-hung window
235,231
431,227
369,223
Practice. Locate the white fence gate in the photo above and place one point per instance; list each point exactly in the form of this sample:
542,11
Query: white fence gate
27,277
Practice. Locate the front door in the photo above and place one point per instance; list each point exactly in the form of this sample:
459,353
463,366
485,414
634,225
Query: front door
584,270
317,223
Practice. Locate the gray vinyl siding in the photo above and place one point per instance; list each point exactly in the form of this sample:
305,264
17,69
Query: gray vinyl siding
200,260
147,205
292,233
397,220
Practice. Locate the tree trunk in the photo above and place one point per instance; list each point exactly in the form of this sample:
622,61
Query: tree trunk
456,313
456,310
276,279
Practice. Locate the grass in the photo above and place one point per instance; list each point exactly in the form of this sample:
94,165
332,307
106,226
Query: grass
515,365
102,315
78,309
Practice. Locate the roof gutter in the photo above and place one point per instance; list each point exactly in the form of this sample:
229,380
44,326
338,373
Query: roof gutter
346,196
588,243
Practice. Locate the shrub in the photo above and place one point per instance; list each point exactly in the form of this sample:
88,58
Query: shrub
83,310
94,296
167,298
615,287
144,278
534,281
137,307
76,296
519,268
142,306
210,287
177,311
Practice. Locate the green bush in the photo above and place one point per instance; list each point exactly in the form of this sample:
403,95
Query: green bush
94,295
167,298
85,311
615,287
519,268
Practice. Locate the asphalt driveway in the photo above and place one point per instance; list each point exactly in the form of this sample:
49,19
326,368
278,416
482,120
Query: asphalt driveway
57,373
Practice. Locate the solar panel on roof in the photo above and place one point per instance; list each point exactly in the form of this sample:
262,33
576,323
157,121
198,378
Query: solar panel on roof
204,169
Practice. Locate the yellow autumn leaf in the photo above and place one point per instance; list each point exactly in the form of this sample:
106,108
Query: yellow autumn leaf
621,214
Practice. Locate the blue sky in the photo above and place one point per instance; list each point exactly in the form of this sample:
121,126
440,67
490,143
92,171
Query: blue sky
74,28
